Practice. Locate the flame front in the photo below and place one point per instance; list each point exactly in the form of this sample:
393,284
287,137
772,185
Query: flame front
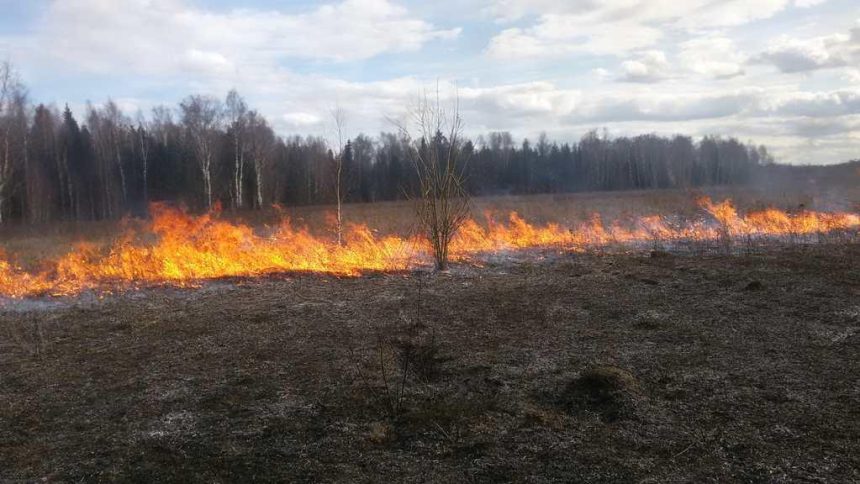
180,249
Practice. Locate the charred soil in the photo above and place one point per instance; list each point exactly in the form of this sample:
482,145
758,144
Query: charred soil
577,368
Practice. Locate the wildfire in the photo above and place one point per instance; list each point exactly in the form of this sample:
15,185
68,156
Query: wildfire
181,249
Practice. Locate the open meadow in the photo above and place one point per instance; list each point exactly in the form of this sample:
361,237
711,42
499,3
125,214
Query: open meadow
30,245
614,364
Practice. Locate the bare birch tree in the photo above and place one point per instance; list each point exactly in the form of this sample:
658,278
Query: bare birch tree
144,146
237,112
201,116
339,117
261,142
435,147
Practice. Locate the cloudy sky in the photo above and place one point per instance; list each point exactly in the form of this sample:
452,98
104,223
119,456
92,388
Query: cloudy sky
785,73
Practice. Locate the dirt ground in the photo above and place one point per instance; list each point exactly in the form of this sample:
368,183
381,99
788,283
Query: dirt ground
615,367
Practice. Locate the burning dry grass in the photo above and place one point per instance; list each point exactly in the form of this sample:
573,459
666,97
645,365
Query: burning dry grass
177,248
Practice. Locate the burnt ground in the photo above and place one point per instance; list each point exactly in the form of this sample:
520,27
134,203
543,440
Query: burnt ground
640,368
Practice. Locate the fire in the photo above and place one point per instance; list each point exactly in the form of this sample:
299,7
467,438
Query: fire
180,249
777,222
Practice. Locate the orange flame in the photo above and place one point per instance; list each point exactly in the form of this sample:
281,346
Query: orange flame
180,249
777,222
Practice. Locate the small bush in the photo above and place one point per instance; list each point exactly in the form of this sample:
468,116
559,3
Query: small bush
420,356
405,354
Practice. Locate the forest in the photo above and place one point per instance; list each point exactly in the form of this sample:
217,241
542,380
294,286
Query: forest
207,152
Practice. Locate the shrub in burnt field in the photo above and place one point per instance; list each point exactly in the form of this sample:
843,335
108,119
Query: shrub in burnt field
420,355
443,204
405,355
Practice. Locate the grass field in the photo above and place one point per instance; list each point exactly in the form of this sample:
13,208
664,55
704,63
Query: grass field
29,245
633,367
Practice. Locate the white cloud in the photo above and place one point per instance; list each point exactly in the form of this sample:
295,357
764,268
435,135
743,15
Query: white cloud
540,99
663,105
696,13
797,55
613,26
537,105
709,56
156,37
728,13
808,3
674,104
510,10
851,76
301,120
651,66
563,35
712,56
839,102
601,74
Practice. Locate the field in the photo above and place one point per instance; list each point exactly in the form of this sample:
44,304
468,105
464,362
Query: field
646,366
30,244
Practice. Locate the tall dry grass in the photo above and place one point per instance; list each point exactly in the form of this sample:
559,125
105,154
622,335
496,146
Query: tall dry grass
27,245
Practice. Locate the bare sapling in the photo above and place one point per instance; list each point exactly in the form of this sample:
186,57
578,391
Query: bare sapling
405,358
436,150
339,118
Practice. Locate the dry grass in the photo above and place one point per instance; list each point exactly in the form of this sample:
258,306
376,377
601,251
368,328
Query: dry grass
29,245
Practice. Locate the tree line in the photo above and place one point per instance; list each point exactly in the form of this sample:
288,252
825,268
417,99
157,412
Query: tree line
209,151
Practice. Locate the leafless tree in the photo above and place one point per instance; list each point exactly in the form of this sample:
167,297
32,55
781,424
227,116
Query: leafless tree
201,116
161,124
15,117
8,85
339,117
143,144
237,112
435,149
117,124
102,149
261,143
20,121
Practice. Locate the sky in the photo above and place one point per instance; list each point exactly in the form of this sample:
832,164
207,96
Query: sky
784,73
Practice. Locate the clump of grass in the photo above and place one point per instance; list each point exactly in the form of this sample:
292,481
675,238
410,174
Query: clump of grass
380,433
650,319
754,286
612,392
